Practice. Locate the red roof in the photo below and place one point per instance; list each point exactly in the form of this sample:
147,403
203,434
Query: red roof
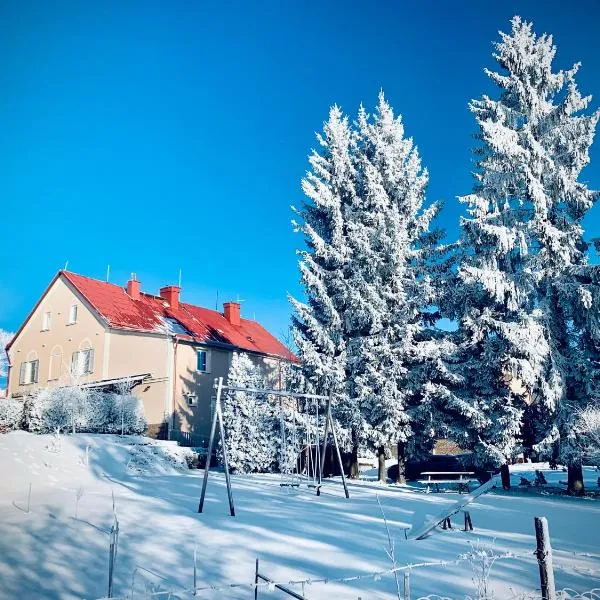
151,313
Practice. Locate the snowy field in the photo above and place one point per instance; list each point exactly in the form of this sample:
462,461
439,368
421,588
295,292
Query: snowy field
48,553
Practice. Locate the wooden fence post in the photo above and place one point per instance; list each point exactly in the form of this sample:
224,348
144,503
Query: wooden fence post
195,570
256,581
406,585
112,554
544,557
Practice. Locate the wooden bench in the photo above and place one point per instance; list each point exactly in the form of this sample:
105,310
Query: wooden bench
461,478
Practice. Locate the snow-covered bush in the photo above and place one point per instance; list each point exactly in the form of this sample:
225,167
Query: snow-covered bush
11,413
76,409
66,408
129,412
33,412
589,432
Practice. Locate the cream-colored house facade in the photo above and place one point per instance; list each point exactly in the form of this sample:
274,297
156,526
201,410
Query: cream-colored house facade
96,334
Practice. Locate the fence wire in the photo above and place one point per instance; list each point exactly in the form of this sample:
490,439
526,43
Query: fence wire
302,584
270,586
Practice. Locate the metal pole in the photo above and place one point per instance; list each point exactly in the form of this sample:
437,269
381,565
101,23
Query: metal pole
225,462
271,392
406,585
324,447
211,443
337,451
544,557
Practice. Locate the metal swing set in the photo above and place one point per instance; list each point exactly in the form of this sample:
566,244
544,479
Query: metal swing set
290,474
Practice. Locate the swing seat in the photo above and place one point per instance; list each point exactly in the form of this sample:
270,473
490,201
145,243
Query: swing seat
289,485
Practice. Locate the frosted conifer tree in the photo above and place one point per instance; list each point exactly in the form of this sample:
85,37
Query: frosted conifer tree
365,276
249,423
5,338
390,275
317,324
522,236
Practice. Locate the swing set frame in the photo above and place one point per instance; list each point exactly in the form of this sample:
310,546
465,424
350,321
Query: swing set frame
217,419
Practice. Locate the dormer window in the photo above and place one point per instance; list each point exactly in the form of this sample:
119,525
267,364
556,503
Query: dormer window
73,315
46,321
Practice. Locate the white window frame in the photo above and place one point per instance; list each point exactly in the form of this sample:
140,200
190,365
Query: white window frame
46,320
192,400
82,362
55,366
30,372
206,362
73,314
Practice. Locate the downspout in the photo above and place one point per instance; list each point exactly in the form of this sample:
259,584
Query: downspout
8,370
174,389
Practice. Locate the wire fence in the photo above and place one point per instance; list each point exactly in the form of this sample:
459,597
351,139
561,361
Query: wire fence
304,586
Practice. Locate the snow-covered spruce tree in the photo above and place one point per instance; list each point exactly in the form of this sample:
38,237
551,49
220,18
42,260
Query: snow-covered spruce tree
5,338
393,258
317,323
249,421
366,276
522,235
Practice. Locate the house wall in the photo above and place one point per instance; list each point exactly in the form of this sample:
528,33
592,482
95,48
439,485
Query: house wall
132,353
189,381
59,342
116,353
172,366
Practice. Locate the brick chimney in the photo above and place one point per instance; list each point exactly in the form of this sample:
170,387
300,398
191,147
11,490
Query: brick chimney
170,293
231,311
133,287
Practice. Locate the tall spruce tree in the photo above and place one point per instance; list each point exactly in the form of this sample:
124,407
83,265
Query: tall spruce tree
316,324
390,288
364,274
522,237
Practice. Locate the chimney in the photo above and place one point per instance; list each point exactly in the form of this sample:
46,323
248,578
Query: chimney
231,311
170,293
133,287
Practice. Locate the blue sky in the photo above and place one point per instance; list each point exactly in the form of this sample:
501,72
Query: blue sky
163,136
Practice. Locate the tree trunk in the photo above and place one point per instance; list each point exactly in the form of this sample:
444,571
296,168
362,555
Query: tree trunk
381,457
575,480
505,476
401,478
354,470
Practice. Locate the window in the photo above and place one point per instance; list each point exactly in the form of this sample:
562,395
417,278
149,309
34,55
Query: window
46,321
213,406
29,372
82,362
55,364
203,361
192,400
73,315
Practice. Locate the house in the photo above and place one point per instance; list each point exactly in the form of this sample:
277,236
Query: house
100,335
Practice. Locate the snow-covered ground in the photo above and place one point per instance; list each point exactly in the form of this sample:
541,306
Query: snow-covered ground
47,553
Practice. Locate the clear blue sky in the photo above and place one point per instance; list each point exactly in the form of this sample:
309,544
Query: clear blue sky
159,136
